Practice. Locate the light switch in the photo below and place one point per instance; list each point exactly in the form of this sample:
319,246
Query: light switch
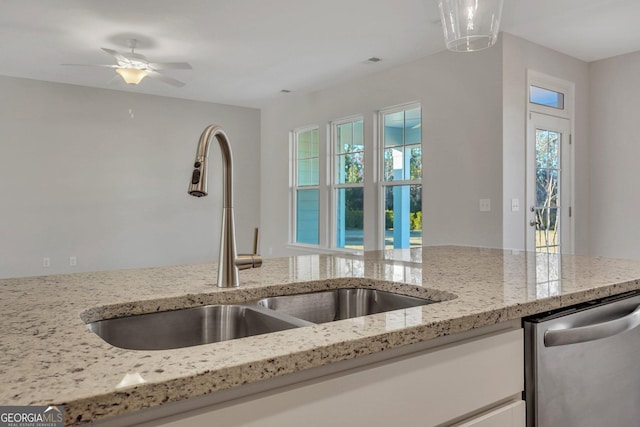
515,205
485,205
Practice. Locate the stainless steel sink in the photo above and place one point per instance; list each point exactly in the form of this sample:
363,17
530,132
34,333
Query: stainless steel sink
214,323
327,306
192,326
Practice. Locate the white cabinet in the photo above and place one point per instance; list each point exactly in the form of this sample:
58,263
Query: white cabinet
510,415
474,382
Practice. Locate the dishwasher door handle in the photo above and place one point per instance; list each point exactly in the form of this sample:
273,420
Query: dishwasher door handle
553,338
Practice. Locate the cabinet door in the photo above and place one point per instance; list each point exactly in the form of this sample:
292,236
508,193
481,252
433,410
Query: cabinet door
512,415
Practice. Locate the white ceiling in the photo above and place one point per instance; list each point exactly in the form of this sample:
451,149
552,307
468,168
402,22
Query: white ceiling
243,52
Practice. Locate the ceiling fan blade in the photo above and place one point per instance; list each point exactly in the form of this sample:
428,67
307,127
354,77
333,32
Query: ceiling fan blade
170,65
166,79
93,65
120,57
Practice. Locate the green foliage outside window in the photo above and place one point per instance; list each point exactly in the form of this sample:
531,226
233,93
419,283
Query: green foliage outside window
415,220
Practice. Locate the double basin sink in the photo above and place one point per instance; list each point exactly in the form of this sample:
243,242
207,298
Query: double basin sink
214,323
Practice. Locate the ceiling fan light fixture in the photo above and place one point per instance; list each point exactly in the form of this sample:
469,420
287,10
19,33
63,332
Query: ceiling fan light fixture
470,25
132,76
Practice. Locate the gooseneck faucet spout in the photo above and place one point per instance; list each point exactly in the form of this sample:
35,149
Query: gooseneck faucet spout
229,262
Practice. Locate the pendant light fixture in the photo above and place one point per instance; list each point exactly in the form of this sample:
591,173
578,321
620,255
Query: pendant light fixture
470,25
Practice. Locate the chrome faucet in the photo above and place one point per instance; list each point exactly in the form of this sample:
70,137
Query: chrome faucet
230,262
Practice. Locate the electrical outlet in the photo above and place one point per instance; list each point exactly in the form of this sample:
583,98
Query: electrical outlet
73,261
46,262
485,205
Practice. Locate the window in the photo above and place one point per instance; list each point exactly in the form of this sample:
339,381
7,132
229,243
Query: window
546,97
329,178
348,183
306,186
401,180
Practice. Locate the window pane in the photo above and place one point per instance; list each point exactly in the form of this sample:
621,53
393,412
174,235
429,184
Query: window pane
394,129
307,216
402,145
403,216
546,97
344,137
349,218
308,144
413,127
542,183
308,172
542,148
358,134
547,163
403,163
547,230
350,168
415,162
389,155
308,158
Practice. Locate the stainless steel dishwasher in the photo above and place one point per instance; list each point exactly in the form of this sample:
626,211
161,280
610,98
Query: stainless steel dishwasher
583,365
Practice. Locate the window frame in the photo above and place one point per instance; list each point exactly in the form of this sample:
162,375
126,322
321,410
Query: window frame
543,81
295,187
334,186
381,183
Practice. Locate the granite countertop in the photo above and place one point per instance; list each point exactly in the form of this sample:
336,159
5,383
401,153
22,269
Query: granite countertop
48,356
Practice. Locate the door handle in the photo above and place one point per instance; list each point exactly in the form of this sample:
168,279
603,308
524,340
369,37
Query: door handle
534,223
553,338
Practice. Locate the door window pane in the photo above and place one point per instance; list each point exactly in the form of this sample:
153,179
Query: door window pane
547,230
547,190
547,167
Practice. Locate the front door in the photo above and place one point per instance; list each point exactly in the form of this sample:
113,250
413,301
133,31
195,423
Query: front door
549,184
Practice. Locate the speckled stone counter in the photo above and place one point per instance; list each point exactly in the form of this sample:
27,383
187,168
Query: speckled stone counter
48,356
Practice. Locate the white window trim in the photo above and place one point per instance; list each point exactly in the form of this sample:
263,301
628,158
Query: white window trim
293,182
333,185
536,78
381,183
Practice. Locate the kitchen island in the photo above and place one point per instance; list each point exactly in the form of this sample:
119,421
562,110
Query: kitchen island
49,356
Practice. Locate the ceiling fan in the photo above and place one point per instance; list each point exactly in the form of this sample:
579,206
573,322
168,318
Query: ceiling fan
133,67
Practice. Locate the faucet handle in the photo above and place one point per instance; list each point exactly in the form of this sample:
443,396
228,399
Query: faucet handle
255,241
245,261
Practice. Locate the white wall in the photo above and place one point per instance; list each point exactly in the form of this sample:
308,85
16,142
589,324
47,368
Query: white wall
80,176
519,55
615,143
461,97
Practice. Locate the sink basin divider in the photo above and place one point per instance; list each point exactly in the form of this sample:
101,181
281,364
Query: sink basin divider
279,315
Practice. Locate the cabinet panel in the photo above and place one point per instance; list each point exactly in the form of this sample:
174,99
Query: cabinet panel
421,389
512,415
